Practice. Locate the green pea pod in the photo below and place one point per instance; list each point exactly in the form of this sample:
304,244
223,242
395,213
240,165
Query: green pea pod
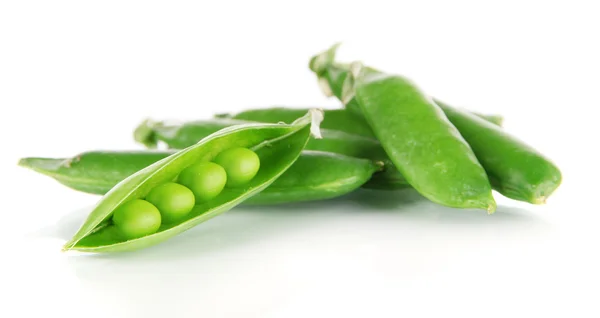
94,172
277,145
315,175
515,169
335,119
332,75
183,135
180,136
419,139
318,175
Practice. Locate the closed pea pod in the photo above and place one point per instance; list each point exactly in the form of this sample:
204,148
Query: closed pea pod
179,135
332,75
186,134
515,169
277,145
316,175
94,172
419,139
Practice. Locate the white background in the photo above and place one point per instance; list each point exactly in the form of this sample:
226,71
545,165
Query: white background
80,75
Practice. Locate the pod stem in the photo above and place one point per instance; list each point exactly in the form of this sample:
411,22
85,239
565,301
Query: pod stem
491,208
348,86
317,116
320,62
145,133
380,165
223,115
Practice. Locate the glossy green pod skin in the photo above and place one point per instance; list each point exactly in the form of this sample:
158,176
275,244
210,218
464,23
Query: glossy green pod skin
186,134
332,75
277,145
180,135
94,172
362,147
334,119
315,175
420,140
318,175
515,169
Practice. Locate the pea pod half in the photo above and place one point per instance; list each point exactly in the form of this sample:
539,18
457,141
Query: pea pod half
419,139
315,175
183,135
335,119
277,145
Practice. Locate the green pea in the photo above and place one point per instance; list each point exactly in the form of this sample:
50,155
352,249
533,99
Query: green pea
173,200
241,165
205,179
137,218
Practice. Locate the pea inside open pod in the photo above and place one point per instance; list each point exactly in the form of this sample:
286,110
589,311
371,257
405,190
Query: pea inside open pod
277,145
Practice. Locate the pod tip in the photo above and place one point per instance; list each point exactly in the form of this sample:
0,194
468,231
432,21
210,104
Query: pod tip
348,86
144,133
42,165
223,115
22,162
491,206
325,87
540,200
320,62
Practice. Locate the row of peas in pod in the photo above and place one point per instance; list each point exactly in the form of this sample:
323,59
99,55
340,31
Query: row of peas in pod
172,201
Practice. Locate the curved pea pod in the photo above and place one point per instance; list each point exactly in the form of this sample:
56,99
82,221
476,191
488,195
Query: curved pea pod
277,145
332,75
335,119
420,140
515,169
315,175
185,134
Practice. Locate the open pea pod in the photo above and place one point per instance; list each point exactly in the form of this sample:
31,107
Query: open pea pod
277,145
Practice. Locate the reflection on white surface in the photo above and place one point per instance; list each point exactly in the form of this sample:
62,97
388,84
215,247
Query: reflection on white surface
262,261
